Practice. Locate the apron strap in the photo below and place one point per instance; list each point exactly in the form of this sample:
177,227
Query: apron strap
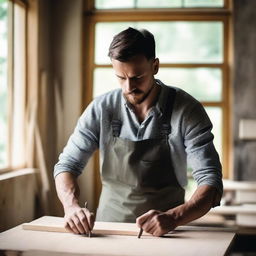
116,127
116,122
167,115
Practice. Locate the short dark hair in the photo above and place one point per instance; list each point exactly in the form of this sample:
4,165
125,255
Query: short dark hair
131,42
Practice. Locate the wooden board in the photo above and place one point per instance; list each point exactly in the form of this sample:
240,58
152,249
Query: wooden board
56,224
201,241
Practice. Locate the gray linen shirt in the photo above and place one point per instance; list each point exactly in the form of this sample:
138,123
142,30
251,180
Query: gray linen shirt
191,140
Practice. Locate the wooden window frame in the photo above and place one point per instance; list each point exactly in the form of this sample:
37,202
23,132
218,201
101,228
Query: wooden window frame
92,16
10,75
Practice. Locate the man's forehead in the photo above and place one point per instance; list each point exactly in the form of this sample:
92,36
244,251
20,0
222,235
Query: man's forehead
136,64
137,59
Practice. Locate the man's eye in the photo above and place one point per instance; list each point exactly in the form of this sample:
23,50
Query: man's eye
121,78
136,78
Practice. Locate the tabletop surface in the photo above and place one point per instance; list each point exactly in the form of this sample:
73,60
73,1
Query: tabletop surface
185,241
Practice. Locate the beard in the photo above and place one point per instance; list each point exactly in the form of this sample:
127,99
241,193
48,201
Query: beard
137,96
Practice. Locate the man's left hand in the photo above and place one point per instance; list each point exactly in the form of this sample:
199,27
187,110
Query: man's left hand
156,222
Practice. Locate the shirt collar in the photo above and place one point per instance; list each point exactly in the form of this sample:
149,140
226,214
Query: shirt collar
126,103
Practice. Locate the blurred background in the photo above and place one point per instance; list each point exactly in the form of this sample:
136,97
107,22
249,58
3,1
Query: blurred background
53,62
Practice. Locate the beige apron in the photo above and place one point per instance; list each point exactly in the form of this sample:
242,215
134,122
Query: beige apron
138,176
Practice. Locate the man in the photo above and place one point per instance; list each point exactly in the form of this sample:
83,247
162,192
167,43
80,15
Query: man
147,133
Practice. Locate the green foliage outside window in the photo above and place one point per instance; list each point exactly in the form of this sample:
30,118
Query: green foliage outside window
176,41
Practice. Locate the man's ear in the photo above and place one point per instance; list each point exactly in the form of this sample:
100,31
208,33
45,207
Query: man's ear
156,66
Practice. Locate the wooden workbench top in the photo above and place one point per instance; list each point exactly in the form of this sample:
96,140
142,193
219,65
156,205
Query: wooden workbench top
184,241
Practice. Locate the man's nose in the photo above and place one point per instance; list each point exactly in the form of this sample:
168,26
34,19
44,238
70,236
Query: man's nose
129,85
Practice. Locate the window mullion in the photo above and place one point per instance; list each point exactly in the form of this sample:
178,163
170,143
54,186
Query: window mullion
159,15
10,79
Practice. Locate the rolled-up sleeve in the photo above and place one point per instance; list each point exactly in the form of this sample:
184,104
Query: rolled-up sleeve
202,156
81,144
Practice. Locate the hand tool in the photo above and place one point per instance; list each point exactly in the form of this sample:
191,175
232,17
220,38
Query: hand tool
85,205
140,233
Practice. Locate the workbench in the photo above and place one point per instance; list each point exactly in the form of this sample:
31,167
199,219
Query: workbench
185,240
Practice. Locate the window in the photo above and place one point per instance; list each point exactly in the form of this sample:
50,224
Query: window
3,84
108,4
192,38
12,83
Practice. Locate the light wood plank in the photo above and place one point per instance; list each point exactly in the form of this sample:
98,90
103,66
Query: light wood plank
56,224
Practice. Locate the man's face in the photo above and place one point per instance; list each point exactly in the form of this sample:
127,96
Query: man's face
136,77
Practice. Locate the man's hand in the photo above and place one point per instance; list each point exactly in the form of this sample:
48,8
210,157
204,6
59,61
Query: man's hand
156,223
78,220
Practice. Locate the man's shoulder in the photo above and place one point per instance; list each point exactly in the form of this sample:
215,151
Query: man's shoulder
186,107
182,97
108,99
103,105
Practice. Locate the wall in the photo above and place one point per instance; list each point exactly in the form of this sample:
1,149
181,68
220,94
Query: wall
66,53
17,207
244,86
60,47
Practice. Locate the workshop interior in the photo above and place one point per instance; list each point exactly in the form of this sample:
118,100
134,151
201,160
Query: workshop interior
54,61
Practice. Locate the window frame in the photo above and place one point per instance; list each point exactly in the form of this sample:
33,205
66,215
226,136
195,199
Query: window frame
92,16
10,78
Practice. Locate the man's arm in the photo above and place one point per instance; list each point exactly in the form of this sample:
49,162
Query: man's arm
77,219
81,144
158,223
203,159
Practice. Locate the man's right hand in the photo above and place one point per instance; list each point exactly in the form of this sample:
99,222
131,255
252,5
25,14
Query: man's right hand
78,220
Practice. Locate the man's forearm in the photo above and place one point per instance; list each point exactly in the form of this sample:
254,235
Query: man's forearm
67,189
203,199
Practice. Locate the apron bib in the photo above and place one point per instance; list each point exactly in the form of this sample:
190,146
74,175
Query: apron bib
138,176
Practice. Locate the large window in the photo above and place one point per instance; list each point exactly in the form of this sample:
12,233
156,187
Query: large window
3,84
192,41
12,83
196,74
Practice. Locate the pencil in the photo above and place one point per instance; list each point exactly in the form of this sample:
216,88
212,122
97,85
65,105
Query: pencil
140,233
90,233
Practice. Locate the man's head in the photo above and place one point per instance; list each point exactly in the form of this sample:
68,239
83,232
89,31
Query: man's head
131,42
132,53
